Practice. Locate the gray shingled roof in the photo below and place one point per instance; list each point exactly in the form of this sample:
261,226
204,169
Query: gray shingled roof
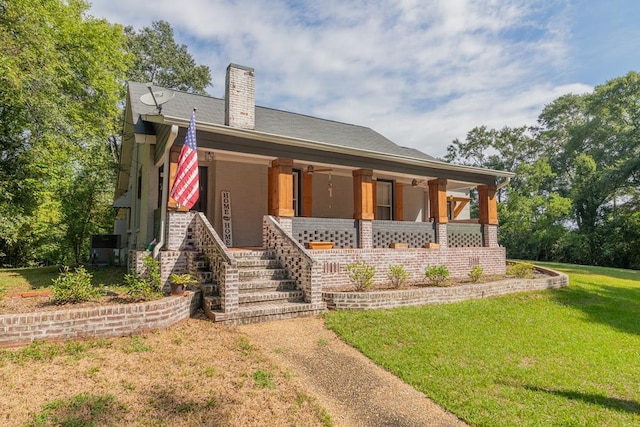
268,120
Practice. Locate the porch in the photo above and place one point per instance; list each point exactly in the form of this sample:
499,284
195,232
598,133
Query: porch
286,279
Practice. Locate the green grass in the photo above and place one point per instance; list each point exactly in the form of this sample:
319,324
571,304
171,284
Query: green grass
82,410
42,351
263,378
39,278
564,357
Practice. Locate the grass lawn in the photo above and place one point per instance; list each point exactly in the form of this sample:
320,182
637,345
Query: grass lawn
563,357
39,278
194,373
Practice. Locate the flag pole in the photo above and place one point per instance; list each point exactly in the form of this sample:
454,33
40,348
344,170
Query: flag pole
186,188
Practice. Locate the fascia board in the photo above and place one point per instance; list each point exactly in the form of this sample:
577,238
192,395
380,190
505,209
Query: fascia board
323,146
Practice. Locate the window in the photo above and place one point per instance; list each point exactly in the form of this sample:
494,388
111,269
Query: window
384,200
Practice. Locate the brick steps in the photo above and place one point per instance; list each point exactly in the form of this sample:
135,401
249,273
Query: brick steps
265,292
257,262
249,274
267,285
267,311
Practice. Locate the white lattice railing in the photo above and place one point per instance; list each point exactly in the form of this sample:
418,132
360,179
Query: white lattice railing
223,264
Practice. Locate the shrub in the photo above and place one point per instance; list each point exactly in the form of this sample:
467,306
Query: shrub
361,275
146,285
520,270
182,279
74,287
437,275
397,275
476,273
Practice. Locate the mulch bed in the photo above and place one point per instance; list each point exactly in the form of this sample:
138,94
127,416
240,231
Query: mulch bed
36,301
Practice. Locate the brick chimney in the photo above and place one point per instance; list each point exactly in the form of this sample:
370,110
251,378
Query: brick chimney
240,97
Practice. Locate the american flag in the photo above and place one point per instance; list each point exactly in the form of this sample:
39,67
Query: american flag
185,190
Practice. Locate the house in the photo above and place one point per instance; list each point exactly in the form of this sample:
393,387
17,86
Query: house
276,185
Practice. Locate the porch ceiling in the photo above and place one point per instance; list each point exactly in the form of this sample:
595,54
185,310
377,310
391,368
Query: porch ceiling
335,170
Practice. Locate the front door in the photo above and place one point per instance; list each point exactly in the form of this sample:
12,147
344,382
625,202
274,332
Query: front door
201,204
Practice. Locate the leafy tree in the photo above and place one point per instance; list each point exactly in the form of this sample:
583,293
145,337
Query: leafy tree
532,217
160,60
596,141
575,194
60,82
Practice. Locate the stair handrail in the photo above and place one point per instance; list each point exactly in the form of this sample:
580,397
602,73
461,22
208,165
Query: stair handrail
311,279
218,244
224,265
299,247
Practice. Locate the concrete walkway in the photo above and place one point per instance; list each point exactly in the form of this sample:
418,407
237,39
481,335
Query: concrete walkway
354,390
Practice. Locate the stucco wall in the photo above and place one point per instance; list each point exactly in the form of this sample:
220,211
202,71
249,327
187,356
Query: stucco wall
248,186
338,206
413,199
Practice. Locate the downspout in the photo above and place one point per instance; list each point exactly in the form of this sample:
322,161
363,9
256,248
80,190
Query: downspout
165,189
503,183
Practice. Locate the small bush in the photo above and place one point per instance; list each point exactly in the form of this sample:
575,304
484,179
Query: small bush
520,270
361,275
74,287
437,275
184,280
397,275
146,285
476,273
152,272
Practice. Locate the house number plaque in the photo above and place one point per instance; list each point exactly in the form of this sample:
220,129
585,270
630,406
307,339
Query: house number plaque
227,235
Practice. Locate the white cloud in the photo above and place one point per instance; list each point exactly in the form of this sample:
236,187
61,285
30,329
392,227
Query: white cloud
421,73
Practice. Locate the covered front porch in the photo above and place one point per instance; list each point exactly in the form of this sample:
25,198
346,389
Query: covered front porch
343,206
288,206
241,290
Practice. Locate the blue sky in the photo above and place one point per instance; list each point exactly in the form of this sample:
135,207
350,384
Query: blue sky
420,72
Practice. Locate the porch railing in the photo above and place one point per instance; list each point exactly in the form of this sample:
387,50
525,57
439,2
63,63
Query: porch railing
342,232
345,233
223,264
461,235
415,234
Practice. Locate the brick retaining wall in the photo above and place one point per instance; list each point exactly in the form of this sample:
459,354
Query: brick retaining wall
438,295
105,321
458,260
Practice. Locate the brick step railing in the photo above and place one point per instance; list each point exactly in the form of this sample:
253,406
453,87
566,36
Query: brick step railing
265,292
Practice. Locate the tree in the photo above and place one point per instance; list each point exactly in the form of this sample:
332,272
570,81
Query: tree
61,74
575,196
158,59
531,212
595,139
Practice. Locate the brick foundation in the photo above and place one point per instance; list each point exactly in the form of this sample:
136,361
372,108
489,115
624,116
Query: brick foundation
458,260
105,321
